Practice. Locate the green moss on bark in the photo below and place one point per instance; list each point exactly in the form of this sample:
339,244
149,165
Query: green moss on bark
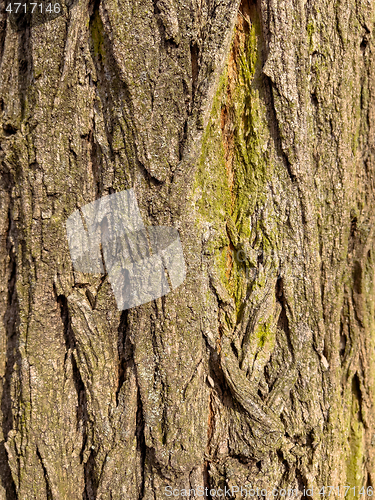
354,465
234,165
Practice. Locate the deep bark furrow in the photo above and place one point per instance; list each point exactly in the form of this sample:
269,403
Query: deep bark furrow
10,320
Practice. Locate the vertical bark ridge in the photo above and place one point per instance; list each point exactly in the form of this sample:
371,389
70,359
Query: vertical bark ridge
9,319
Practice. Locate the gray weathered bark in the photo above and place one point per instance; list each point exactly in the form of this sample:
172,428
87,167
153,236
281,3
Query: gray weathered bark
249,128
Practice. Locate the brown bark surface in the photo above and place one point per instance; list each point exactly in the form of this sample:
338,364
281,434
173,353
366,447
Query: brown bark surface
250,128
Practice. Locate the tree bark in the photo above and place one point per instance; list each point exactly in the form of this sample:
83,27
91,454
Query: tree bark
250,128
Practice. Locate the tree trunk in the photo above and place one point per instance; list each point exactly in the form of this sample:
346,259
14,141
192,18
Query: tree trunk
249,128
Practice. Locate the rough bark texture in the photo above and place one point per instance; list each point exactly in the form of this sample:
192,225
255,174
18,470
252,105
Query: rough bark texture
250,128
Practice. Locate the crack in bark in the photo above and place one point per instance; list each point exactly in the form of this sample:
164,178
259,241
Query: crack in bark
91,479
25,67
82,411
141,444
121,348
11,322
210,430
3,28
45,475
